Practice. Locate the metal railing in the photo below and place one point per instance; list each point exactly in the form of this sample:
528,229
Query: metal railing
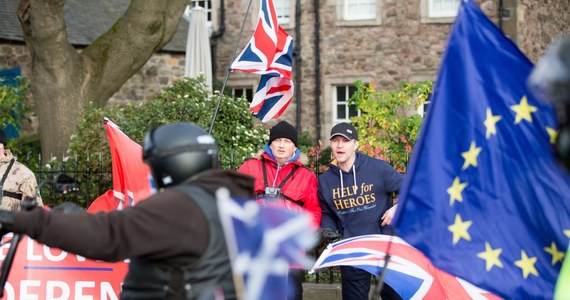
82,181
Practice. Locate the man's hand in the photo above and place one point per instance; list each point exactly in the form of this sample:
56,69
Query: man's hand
327,236
6,222
389,215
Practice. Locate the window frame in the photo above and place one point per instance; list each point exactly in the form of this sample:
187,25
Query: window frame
422,109
336,103
209,11
347,16
427,18
285,9
244,89
442,14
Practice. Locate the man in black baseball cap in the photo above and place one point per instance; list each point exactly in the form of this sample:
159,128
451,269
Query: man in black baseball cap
346,130
355,194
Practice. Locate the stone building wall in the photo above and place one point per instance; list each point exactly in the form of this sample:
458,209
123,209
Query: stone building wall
401,44
386,53
539,23
159,72
15,55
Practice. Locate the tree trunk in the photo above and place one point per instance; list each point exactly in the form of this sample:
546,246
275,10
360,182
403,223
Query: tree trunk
64,80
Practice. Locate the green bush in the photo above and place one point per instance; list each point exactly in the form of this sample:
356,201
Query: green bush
389,125
235,130
238,135
13,106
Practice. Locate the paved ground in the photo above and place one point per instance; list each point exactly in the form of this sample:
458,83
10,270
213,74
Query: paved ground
321,291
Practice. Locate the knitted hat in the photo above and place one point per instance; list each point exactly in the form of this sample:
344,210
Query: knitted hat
346,130
283,130
3,137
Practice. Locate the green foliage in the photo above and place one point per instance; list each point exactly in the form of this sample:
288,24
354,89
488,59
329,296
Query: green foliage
238,136
318,158
13,107
389,125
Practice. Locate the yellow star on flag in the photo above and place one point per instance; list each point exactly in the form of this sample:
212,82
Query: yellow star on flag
490,123
527,265
491,257
459,229
567,233
470,156
455,190
556,255
523,110
553,133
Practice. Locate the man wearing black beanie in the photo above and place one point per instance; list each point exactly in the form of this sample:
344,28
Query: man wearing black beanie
281,178
283,130
16,180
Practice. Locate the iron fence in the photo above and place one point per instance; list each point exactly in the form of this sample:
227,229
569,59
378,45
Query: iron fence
71,179
82,180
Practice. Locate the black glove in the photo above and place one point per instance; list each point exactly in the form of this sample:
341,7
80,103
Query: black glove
328,236
6,222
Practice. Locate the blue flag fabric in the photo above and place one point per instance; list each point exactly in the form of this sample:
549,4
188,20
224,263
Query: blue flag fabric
484,198
263,242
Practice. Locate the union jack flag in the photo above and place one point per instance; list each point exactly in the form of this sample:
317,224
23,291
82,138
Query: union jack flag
270,49
408,272
263,242
272,97
269,53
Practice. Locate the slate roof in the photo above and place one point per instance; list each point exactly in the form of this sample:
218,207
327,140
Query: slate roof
85,19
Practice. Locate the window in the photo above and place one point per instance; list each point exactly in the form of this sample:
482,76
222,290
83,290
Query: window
423,109
246,92
443,8
359,9
207,5
342,111
282,9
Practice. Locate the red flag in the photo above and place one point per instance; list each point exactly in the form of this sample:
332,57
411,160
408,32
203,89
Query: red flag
131,176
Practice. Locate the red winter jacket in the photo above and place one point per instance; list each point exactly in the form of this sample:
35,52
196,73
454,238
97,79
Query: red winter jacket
300,190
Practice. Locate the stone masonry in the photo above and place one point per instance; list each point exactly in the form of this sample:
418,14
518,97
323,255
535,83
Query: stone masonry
400,44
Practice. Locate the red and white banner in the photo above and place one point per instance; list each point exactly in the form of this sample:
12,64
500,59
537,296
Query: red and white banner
131,176
40,272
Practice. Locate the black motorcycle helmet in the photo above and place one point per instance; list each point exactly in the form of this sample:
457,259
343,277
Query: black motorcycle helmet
178,151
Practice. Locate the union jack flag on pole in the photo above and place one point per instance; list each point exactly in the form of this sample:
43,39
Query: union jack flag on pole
408,272
269,53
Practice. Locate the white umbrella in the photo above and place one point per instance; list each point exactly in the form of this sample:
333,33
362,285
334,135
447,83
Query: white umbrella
198,57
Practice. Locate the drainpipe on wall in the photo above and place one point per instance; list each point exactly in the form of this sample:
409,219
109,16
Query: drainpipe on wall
501,9
317,72
215,36
297,55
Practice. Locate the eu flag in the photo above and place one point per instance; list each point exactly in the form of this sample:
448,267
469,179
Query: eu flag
484,198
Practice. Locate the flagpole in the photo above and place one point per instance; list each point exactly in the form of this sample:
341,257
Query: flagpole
380,277
229,68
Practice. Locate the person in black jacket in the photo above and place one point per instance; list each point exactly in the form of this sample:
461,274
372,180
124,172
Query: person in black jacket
174,238
550,81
